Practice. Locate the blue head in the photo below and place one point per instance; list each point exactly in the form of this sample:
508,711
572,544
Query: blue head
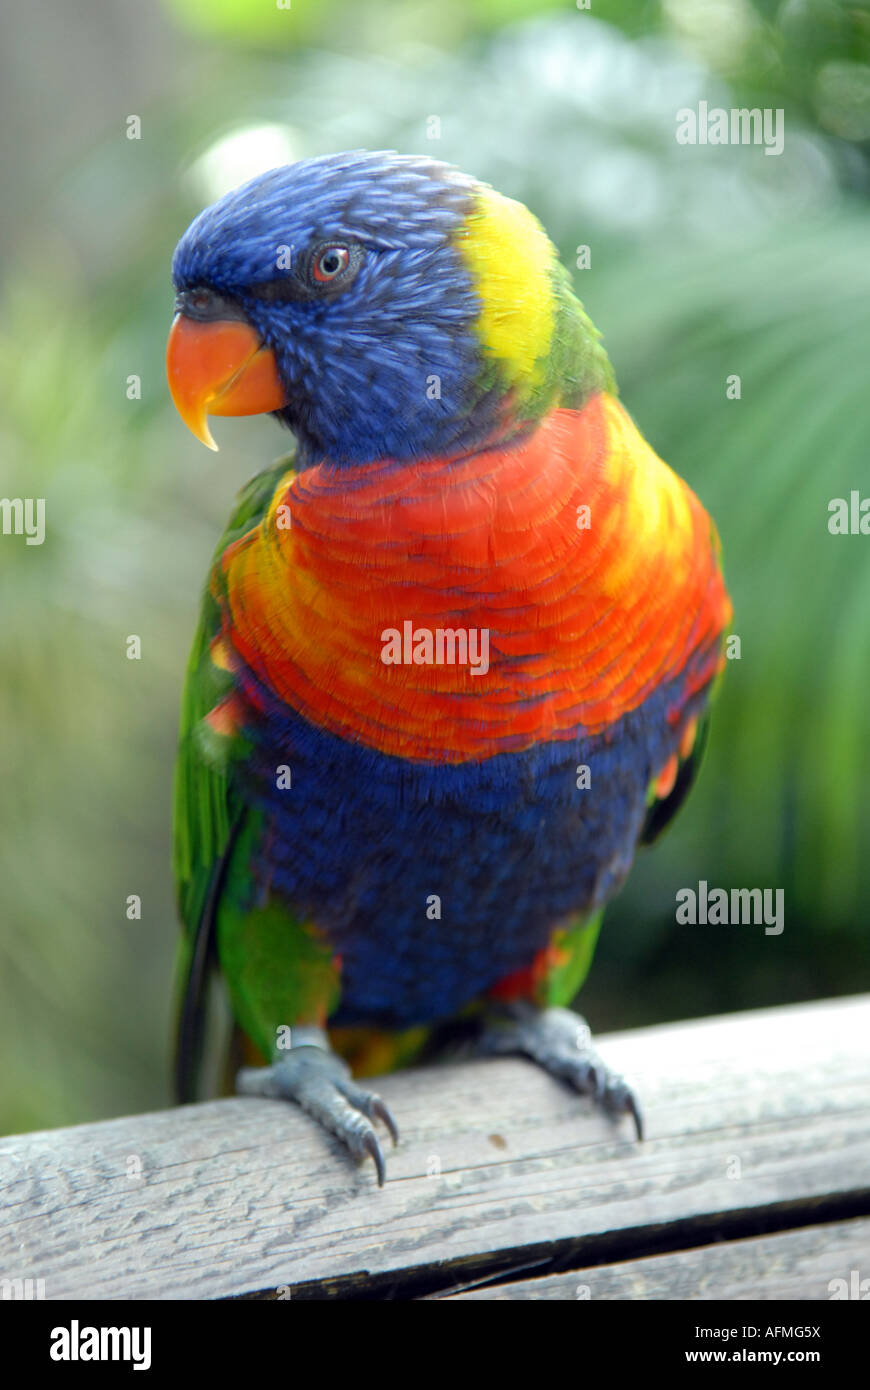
407,310
346,268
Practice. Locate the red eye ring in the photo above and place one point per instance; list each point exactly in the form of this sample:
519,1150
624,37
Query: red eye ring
330,263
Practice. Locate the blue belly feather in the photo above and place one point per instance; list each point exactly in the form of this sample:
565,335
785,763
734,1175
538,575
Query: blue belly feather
363,842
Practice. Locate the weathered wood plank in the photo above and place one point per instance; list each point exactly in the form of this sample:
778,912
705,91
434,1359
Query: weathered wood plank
755,1121
816,1263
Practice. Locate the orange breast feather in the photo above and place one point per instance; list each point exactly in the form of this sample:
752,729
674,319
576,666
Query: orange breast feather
591,566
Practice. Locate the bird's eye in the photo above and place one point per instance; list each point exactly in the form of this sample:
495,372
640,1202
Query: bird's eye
329,263
327,269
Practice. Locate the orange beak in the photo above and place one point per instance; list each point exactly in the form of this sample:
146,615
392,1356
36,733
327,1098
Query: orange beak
220,367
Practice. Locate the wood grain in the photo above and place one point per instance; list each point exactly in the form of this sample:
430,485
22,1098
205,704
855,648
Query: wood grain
757,1122
814,1264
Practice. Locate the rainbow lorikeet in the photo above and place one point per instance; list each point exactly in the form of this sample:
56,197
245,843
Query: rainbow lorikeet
455,654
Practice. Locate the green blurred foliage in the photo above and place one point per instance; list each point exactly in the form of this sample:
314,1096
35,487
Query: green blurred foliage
706,261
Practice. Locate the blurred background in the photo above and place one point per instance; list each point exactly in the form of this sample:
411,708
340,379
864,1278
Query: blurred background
705,262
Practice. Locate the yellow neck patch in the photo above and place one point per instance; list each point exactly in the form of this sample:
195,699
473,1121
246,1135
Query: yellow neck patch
510,258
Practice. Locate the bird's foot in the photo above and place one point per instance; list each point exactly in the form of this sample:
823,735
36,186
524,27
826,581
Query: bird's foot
320,1082
560,1042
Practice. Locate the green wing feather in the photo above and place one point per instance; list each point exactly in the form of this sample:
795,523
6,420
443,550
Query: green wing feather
576,945
208,813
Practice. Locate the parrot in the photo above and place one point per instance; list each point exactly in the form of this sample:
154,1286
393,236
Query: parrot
456,650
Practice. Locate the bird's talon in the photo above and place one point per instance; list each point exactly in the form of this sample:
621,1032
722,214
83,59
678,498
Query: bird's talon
382,1112
550,1038
371,1145
634,1112
319,1082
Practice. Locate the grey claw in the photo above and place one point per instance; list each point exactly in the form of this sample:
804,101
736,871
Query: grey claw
369,1103
320,1083
619,1099
383,1113
372,1147
634,1112
560,1042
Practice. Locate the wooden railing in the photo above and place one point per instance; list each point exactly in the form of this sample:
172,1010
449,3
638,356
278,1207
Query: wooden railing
753,1181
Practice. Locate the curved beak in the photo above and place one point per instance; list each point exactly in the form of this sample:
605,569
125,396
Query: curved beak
220,367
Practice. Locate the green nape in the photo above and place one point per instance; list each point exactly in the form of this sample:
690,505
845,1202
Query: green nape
538,344
578,366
